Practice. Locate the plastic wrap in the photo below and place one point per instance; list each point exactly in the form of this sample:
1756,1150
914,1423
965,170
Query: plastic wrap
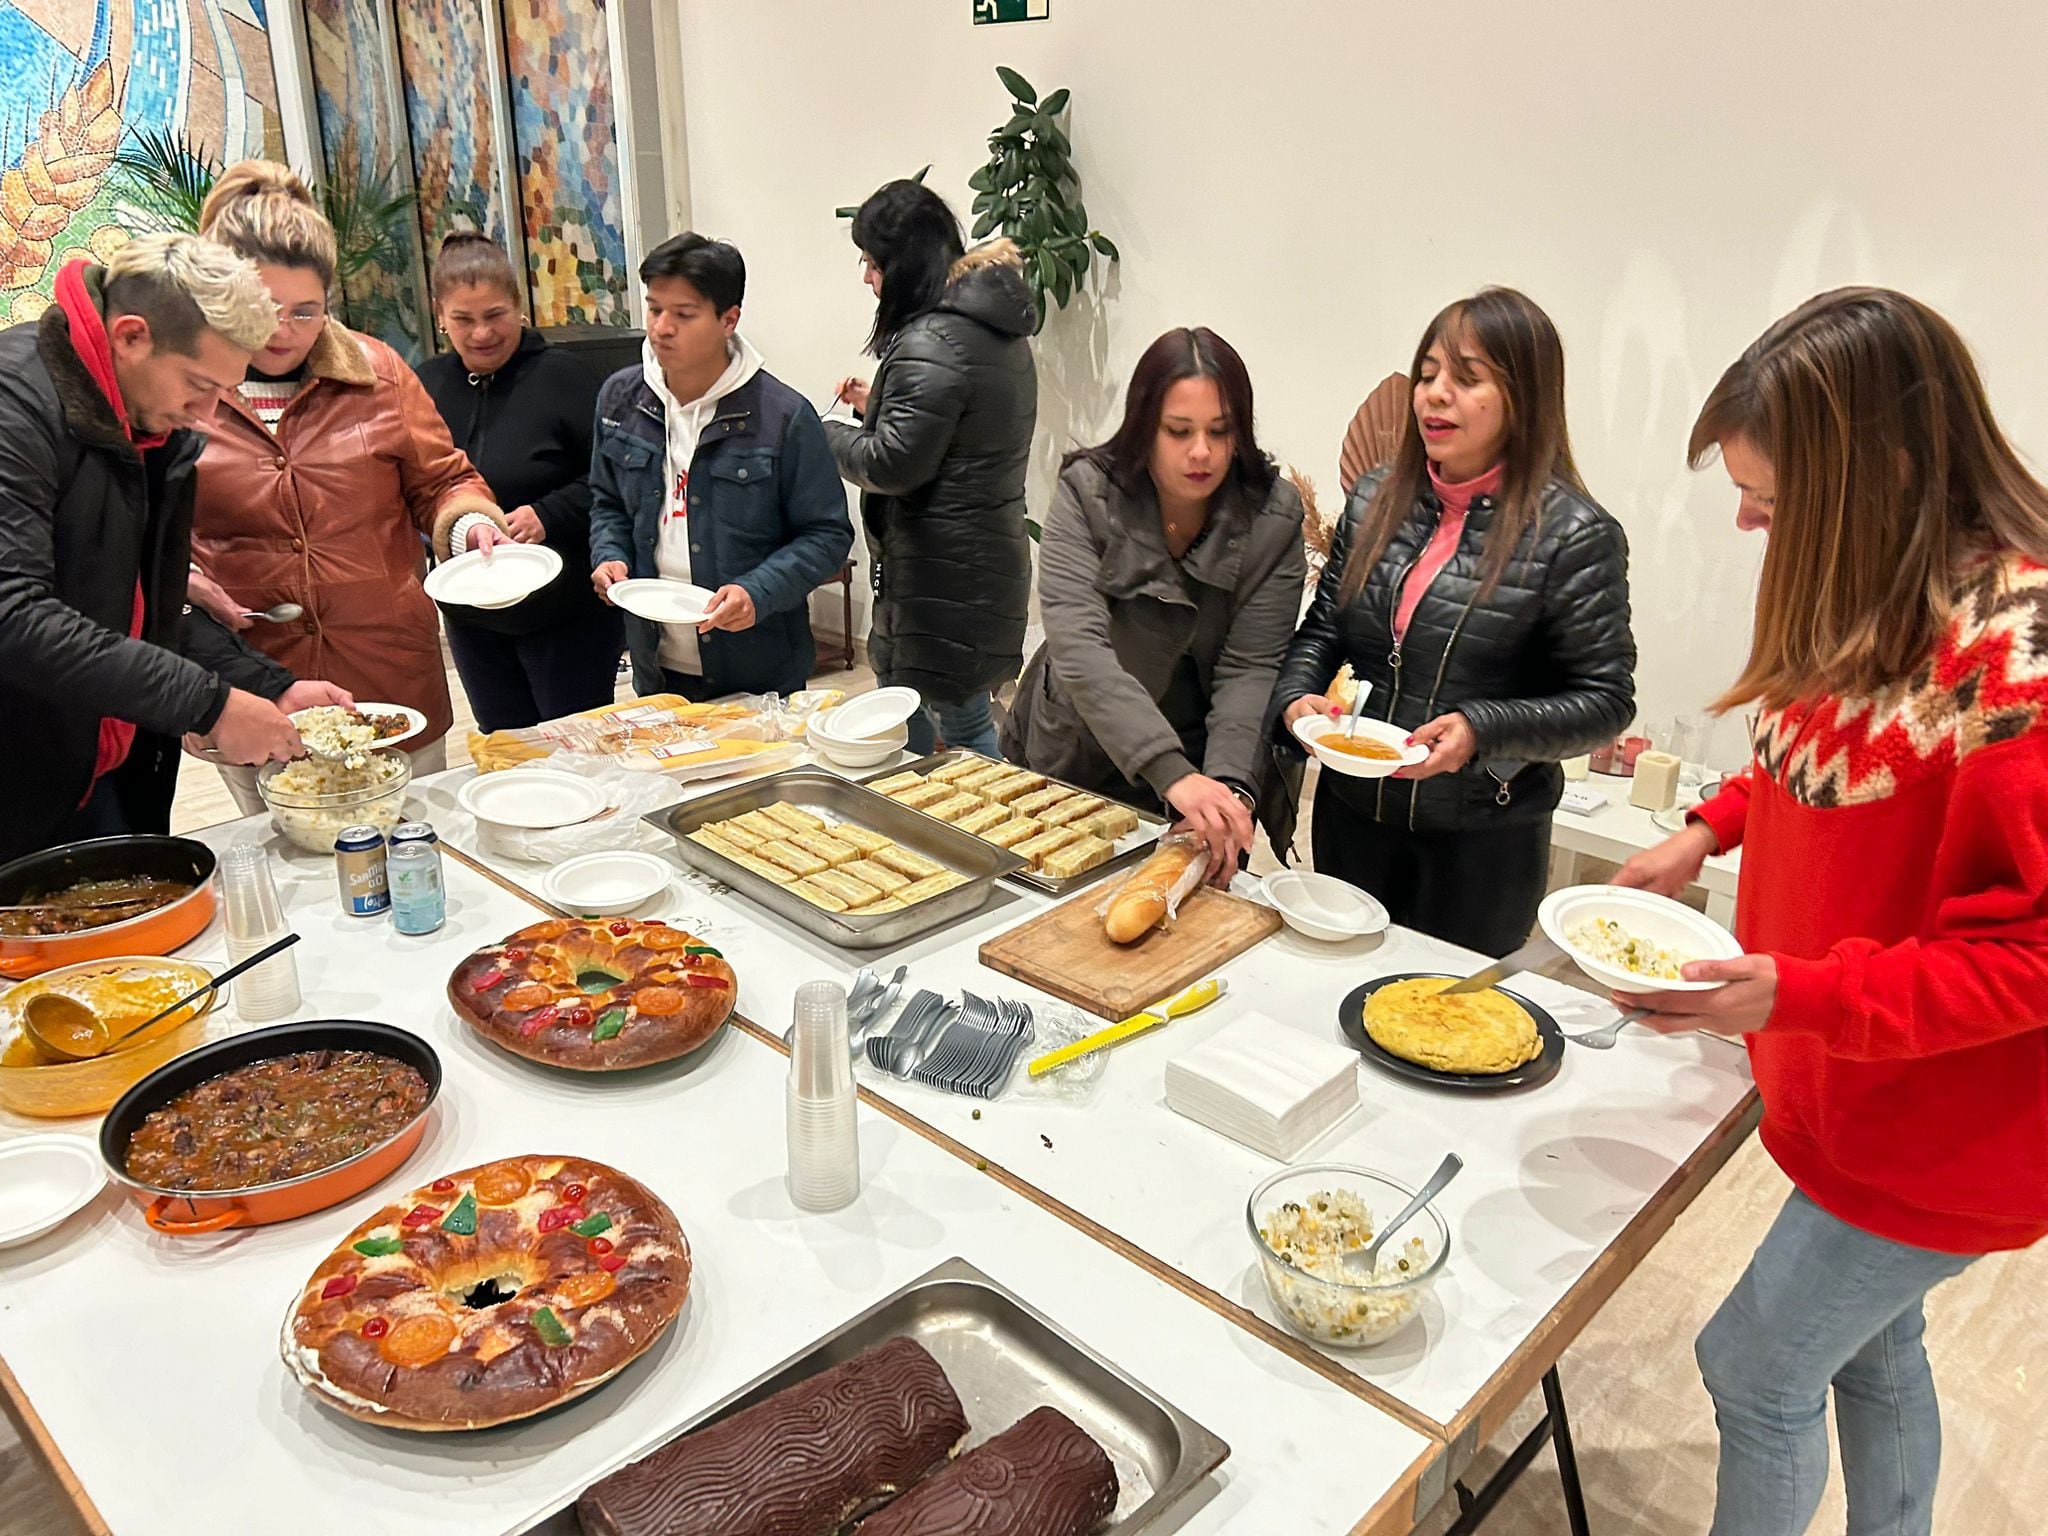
1183,886
663,733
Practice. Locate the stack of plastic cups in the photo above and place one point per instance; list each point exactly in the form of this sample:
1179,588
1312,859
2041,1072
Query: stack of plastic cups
824,1145
255,918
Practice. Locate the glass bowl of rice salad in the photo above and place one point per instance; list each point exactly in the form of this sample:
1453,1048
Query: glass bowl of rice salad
311,799
1304,1220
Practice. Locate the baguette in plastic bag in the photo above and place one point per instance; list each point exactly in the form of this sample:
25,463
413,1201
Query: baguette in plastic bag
1152,893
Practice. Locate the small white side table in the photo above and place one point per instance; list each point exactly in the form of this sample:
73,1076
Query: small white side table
1617,831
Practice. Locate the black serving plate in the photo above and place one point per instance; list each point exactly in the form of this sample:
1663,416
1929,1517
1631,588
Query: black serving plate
1530,1074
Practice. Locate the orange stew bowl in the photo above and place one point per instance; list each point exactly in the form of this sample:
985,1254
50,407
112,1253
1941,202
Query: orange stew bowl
159,932
184,1212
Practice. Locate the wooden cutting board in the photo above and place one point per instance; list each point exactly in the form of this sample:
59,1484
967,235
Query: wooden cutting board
1065,953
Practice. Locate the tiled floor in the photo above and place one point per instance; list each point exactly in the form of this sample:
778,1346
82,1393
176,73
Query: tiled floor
1642,1424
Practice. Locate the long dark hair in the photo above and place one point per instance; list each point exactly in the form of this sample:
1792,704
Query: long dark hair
1182,354
910,234
1890,470
1519,343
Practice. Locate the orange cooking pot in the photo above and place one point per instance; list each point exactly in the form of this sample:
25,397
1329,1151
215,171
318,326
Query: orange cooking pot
37,875
185,1212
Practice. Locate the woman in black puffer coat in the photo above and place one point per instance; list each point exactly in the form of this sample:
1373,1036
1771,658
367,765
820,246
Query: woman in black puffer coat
1483,595
939,456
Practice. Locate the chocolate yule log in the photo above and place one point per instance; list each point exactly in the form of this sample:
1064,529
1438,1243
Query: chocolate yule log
1043,1476
801,1463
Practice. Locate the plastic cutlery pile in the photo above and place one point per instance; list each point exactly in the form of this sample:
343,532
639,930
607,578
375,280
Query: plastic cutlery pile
966,1047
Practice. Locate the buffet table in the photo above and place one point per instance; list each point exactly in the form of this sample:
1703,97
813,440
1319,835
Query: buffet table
147,1366
1565,1189
1116,1216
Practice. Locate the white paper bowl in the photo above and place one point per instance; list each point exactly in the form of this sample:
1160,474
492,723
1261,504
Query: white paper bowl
1322,906
871,753
1310,729
1657,918
531,798
607,883
868,715
44,1180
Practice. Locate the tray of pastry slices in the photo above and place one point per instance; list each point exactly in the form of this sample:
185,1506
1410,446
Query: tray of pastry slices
857,869
1065,836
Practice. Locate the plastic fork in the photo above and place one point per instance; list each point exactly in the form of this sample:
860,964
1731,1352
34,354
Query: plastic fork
1602,1039
875,1009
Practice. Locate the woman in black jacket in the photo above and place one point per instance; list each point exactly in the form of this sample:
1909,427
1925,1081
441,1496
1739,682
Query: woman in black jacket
1482,594
939,457
523,412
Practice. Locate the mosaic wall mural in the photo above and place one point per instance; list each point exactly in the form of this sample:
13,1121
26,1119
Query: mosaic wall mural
448,107
366,155
559,60
77,78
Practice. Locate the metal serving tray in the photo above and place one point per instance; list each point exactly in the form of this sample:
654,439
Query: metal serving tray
1005,1358
837,799
1130,848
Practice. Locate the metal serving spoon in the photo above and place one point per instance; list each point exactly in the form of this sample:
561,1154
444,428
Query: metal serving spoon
1365,1259
64,1029
283,613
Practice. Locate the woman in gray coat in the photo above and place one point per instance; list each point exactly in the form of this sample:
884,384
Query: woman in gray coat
1170,576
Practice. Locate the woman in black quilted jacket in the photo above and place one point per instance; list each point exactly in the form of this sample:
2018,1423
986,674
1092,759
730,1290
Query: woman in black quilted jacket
939,456
1482,594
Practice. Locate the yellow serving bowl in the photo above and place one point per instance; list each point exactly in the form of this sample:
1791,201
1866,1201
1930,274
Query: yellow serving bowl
121,990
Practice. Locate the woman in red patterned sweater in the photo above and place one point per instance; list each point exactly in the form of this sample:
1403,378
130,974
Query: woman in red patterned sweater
1894,898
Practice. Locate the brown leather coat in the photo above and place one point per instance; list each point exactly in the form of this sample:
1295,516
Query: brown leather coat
328,513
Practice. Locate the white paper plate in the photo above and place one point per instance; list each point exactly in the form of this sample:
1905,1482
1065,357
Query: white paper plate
665,602
415,722
1322,906
44,1179
1310,729
534,798
1657,918
607,883
513,573
874,714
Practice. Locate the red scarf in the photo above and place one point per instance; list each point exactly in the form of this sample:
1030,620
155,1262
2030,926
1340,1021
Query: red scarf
96,351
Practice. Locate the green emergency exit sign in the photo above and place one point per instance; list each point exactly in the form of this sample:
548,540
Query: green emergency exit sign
989,12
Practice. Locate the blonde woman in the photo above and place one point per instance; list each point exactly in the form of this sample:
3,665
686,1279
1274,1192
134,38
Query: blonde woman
325,470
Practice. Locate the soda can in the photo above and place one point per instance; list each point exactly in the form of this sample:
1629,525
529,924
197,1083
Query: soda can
359,866
419,904
413,832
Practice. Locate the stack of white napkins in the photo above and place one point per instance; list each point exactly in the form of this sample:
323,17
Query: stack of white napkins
1258,1082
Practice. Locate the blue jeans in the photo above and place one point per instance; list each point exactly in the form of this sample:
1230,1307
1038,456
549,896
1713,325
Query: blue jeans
1826,1304
969,726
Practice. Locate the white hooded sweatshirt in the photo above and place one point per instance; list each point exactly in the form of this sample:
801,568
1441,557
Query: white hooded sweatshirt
686,423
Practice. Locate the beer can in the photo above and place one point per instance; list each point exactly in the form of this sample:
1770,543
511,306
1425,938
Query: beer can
419,904
359,866
414,832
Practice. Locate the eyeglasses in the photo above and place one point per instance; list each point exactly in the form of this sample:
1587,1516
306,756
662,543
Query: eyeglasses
299,319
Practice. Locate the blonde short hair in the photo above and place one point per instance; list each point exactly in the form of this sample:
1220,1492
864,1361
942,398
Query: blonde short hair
262,210
183,285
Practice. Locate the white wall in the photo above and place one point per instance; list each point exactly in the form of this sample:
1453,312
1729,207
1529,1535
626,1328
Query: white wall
1315,178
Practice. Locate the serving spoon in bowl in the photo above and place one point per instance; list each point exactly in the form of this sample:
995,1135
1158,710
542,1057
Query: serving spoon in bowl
1363,1261
64,1029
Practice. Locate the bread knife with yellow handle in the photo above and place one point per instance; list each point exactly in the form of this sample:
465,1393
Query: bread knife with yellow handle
1200,995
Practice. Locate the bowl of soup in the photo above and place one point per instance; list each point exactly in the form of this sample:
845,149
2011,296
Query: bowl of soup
1364,749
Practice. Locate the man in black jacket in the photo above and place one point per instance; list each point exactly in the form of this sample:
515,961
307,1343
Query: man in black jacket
102,403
